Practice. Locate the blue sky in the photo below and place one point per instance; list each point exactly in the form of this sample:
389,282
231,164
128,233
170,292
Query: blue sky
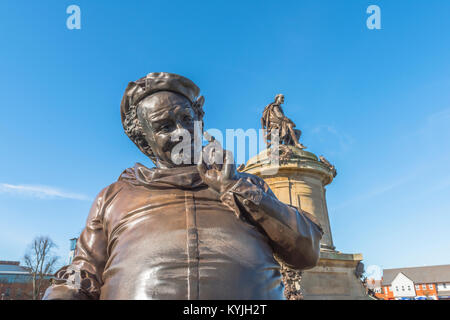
376,103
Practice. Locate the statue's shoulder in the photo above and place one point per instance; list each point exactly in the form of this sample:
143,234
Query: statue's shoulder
267,111
111,191
127,178
269,106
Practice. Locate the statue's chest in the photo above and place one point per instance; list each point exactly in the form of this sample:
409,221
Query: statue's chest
150,210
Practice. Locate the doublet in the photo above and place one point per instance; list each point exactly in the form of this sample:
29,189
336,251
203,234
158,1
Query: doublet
164,234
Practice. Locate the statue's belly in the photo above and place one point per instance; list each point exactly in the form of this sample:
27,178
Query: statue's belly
202,252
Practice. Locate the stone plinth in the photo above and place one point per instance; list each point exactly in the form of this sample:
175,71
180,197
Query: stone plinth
300,181
333,278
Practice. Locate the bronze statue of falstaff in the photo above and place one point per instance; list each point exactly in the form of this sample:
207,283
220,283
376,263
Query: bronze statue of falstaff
183,231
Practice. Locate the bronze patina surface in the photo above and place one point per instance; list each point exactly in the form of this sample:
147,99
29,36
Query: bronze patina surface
273,118
183,231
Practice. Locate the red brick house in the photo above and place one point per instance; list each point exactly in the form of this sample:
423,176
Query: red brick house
416,283
16,281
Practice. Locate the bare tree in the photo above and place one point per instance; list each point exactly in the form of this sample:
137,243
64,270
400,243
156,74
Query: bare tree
40,262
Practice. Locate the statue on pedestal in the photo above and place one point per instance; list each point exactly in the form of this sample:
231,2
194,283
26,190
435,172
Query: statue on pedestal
275,122
300,180
196,230
273,118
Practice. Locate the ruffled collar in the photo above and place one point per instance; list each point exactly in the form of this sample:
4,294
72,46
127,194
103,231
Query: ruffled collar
180,177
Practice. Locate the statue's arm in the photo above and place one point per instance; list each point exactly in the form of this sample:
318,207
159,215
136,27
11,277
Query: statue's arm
82,279
280,115
295,236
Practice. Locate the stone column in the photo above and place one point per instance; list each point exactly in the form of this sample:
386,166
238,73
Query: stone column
300,182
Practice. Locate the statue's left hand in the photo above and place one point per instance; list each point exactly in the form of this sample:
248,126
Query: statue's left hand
217,167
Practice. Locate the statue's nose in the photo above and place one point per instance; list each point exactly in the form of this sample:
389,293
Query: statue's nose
179,125
180,131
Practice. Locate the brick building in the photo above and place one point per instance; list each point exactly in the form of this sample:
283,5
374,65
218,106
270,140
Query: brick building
417,283
16,281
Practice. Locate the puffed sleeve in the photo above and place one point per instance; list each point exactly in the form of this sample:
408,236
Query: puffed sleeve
82,279
294,235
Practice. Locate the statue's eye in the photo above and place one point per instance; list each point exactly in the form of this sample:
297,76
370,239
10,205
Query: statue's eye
163,128
187,119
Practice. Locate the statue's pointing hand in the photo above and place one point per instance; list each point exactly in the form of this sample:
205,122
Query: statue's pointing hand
217,168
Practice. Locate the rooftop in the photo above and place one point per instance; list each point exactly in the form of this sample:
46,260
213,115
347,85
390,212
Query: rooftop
11,267
429,274
15,263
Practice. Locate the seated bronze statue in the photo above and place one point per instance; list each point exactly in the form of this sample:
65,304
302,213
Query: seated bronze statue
183,231
274,119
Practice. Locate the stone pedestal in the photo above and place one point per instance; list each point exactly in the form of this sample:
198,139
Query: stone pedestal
300,181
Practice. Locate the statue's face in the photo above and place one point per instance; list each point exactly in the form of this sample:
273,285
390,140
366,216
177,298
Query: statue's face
163,115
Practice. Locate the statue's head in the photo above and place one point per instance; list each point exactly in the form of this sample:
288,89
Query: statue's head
279,99
156,109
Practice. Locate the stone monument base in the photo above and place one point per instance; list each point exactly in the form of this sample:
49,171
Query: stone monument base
333,278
